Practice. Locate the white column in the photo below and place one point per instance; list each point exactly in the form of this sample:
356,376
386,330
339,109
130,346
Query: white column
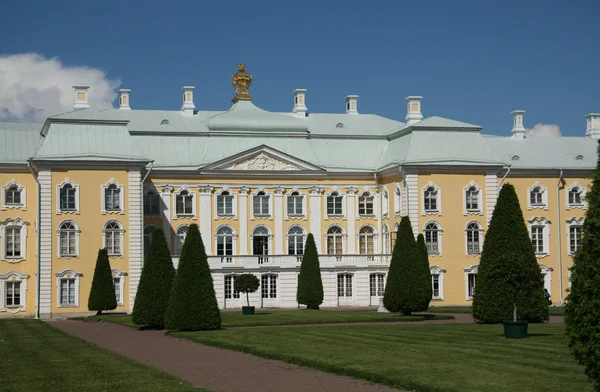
45,233
135,233
206,216
278,212
165,194
316,218
351,215
243,210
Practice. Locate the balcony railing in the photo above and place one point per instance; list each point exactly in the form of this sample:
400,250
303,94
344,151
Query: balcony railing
295,260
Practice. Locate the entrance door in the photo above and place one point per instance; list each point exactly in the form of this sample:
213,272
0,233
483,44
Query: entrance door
260,248
268,289
345,292
232,297
377,287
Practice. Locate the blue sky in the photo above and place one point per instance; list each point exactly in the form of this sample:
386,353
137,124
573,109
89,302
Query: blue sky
473,61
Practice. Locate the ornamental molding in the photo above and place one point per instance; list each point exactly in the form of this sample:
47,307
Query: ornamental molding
262,161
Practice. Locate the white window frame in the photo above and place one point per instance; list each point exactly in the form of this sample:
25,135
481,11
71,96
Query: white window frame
76,232
116,274
287,241
104,188
344,235
480,230
13,276
438,202
269,214
269,277
58,188
358,239
226,258
286,211
583,193
544,192
439,235
10,223
21,189
547,275
63,275
365,193
398,200
325,201
233,293
194,202
479,209
157,195
385,203
345,287
545,224
472,270
269,236
386,243
571,223
374,278
121,232
234,204
435,270
178,245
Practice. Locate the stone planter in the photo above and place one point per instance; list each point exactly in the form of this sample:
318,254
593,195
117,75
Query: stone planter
515,329
247,310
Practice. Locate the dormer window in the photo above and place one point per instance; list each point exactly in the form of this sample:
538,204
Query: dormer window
165,122
535,197
515,158
339,125
579,158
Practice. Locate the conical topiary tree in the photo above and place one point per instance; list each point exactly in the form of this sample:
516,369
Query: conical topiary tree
509,279
154,289
426,284
193,304
582,316
310,285
403,289
102,295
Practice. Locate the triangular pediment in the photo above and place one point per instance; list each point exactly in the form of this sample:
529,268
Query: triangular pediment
262,158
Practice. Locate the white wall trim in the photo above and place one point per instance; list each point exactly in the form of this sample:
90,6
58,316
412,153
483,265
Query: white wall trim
13,276
22,226
327,215
544,192
193,215
583,192
121,189
479,209
23,196
269,214
234,204
287,215
77,196
438,210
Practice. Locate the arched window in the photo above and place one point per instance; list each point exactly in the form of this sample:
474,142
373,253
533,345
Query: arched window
68,198
365,204
294,204
472,199
13,195
473,238
184,203
394,235
575,235
535,197
151,203
261,204
225,203
148,230
68,239
296,241
180,235
366,240
113,238
575,196
260,244
432,238
430,199
334,204
334,241
112,198
225,243
386,239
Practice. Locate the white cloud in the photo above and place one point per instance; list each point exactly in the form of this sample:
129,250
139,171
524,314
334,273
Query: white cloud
33,87
542,130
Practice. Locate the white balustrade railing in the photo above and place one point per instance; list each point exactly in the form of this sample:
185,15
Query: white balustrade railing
295,260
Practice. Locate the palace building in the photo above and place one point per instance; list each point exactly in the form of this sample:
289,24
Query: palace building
257,182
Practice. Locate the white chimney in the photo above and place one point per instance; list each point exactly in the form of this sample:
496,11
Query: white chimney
124,99
352,104
188,100
518,130
300,103
81,97
413,112
593,125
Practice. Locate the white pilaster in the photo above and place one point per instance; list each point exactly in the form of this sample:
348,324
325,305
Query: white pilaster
45,233
379,214
135,233
206,216
165,195
243,210
351,214
316,215
278,212
491,194
412,183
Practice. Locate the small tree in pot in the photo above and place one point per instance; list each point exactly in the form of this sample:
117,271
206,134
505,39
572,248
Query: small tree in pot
246,283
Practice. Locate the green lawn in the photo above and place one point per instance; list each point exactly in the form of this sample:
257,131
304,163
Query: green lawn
36,357
282,317
421,357
553,310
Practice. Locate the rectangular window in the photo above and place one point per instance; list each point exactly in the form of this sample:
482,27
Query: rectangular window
268,286
430,201
365,205
230,287
471,279
431,241
151,203
184,204
294,204
13,242
112,198
13,293
261,204
344,285
113,242
574,238
435,285
67,198
537,239
334,205
225,205
472,200
377,285
67,292
67,243
117,284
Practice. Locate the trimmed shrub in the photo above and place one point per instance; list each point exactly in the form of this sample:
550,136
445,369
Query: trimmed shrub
508,273
193,303
102,295
155,285
424,260
403,289
582,316
310,285
246,283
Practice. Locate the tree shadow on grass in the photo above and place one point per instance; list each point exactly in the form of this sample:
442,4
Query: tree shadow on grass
530,335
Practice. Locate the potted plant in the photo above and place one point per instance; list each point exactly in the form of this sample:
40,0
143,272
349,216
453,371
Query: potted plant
246,283
515,328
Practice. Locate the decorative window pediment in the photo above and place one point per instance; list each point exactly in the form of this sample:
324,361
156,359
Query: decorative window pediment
576,196
539,232
185,203
13,288
113,197
225,204
14,196
472,199
67,197
471,280
14,240
537,197
295,204
431,200
437,282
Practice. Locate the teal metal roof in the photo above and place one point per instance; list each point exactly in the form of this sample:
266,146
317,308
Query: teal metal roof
18,141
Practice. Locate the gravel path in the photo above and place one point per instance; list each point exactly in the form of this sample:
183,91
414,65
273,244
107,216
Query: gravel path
208,367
